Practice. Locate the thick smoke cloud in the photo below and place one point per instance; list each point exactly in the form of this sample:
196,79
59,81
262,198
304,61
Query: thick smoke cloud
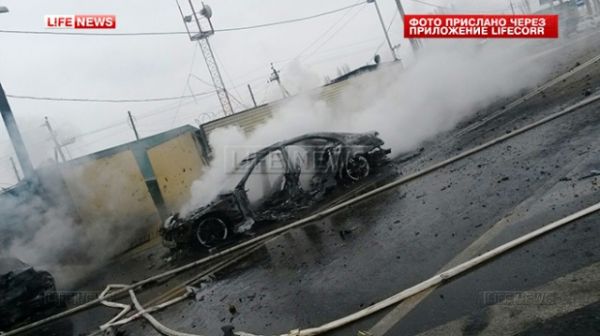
39,225
450,81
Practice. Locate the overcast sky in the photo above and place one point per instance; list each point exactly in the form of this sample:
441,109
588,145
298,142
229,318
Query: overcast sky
159,66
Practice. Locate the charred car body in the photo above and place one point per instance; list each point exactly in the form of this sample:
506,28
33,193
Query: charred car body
28,295
276,182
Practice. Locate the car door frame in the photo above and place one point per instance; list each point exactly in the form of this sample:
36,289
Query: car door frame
240,190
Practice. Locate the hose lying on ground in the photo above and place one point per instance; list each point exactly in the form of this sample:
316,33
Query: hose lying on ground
124,308
117,321
311,218
431,282
166,299
163,329
213,269
444,276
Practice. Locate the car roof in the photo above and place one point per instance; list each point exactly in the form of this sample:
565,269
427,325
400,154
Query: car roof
325,135
337,136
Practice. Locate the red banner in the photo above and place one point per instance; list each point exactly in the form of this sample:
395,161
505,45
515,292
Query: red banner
481,26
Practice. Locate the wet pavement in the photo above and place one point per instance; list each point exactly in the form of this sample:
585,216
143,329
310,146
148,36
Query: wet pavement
392,241
581,322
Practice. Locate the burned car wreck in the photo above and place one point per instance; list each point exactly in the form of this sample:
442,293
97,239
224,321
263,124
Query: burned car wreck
28,295
277,182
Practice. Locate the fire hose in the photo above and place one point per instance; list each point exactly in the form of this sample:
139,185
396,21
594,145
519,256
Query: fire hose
311,218
422,286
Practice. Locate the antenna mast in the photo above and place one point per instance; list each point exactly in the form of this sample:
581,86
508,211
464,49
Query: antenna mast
201,35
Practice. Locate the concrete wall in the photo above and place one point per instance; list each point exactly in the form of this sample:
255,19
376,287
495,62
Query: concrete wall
112,190
138,184
177,163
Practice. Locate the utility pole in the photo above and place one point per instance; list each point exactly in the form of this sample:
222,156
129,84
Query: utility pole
252,95
137,136
413,42
385,32
275,78
57,144
201,36
15,136
14,167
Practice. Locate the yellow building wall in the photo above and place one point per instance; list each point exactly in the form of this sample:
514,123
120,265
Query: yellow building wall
110,193
177,163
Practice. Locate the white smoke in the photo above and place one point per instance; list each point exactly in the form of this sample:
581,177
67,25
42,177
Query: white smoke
450,81
40,227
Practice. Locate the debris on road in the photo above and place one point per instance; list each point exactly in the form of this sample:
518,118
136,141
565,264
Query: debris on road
593,173
228,330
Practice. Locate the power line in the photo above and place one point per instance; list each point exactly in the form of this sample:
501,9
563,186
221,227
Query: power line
114,125
97,100
187,83
120,124
323,34
496,10
430,4
388,30
263,25
292,20
237,99
334,34
139,117
102,129
342,55
105,137
287,60
166,109
266,93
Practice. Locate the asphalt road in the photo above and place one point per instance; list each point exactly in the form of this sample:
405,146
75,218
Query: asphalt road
390,242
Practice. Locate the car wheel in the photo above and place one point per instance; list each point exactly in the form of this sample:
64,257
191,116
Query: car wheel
357,168
211,231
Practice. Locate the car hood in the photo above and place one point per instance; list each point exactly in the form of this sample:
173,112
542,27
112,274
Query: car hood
176,220
362,139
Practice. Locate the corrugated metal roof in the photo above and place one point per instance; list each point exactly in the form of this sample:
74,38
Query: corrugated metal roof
249,119
246,120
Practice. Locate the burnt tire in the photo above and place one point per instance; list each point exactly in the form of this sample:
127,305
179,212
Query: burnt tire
357,168
211,232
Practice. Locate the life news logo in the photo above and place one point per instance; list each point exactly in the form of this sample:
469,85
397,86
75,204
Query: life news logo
81,21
